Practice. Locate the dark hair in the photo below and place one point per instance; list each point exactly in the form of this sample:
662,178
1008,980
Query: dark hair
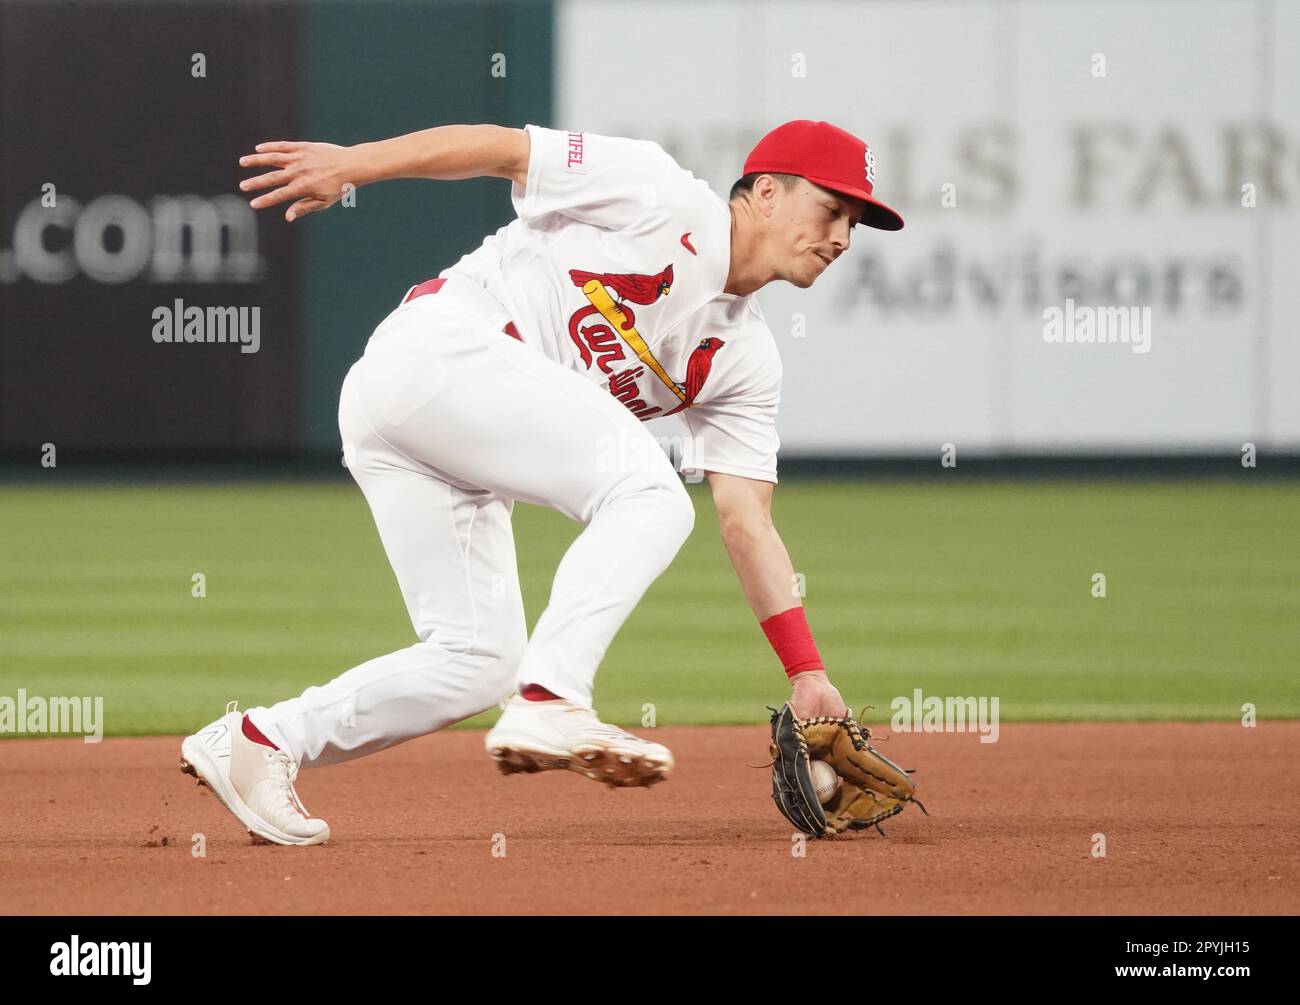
745,185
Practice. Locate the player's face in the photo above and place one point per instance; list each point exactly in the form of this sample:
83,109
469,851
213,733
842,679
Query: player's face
813,225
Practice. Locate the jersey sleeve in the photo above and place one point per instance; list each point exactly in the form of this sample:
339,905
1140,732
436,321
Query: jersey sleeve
735,435
605,181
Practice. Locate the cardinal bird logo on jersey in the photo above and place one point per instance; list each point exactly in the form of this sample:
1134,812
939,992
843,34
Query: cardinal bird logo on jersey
697,370
591,329
629,286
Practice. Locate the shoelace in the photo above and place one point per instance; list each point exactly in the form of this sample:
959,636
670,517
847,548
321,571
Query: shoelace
283,772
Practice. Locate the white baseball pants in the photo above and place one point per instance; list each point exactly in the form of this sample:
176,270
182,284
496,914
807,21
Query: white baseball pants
445,422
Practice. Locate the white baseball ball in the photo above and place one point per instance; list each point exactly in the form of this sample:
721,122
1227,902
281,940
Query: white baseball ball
826,782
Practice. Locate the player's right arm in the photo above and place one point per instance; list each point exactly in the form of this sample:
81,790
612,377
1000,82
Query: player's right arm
315,175
763,565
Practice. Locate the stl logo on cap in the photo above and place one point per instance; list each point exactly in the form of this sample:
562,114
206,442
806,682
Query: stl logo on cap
871,167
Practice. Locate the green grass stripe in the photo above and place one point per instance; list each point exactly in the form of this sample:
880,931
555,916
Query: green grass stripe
958,589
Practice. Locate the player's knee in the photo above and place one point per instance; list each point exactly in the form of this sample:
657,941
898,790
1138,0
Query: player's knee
486,667
487,650
508,653
500,651
675,509
659,498
499,670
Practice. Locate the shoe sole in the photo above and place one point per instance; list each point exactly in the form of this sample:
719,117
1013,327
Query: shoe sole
195,761
616,768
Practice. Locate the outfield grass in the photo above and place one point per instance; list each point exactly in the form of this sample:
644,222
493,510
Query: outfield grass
958,589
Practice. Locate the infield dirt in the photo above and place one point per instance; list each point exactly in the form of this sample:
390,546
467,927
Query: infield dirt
1196,818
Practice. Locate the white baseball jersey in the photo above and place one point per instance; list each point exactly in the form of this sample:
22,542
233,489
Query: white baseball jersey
615,268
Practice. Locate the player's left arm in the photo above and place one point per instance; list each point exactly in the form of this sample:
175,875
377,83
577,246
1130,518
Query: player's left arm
759,556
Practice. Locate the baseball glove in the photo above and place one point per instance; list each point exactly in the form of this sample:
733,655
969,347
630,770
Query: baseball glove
872,787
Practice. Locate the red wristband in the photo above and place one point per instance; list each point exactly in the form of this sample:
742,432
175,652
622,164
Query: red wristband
790,636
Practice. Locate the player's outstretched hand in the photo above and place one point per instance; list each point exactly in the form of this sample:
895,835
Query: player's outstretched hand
813,694
311,174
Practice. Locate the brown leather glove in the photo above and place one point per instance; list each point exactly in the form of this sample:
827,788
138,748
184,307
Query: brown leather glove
872,787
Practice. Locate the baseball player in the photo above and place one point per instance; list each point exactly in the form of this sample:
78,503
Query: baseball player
622,291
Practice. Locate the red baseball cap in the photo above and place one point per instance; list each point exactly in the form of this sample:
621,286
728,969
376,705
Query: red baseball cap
827,156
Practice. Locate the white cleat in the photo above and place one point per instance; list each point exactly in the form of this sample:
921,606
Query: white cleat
554,735
252,780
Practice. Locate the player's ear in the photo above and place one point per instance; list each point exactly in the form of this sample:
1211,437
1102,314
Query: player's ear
773,193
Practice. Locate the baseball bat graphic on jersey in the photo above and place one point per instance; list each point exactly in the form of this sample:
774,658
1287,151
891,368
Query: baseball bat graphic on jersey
594,290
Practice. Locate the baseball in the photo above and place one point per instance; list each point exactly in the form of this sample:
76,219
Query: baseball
825,781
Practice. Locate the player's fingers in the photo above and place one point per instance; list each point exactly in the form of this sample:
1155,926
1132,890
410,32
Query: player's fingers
277,196
302,207
264,181
279,146
264,160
